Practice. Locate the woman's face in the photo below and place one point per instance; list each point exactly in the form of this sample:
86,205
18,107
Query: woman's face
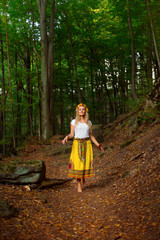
82,111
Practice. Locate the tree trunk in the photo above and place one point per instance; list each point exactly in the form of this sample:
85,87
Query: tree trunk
154,96
29,95
38,76
46,70
74,60
70,74
107,91
121,80
134,94
42,6
51,68
10,83
39,102
92,84
3,101
98,96
115,90
149,58
61,97
153,35
18,128
19,90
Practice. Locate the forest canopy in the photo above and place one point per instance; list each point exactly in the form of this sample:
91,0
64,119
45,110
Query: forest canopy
55,54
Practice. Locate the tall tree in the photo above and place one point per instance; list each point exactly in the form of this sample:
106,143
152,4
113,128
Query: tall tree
153,35
10,83
46,68
134,94
3,95
73,57
37,57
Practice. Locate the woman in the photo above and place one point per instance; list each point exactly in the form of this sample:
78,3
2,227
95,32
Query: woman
81,159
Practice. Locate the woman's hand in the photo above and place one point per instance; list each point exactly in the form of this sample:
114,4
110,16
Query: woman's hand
100,148
96,143
65,140
71,135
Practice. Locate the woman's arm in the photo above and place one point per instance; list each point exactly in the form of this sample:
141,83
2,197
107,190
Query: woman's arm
95,142
71,135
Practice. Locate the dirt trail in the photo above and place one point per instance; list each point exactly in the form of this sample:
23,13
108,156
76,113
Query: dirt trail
122,201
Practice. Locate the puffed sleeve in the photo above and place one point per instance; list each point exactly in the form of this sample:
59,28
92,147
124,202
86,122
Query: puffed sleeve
73,122
90,122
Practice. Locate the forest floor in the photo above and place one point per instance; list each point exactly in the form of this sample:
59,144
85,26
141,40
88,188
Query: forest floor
121,202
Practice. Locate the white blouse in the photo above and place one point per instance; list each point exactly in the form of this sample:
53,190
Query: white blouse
81,130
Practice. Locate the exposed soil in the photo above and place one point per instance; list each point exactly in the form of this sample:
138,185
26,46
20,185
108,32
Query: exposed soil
122,201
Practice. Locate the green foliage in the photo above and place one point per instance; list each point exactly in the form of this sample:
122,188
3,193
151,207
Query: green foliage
102,48
147,116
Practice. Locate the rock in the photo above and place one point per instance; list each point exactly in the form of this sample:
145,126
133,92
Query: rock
6,210
22,172
98,132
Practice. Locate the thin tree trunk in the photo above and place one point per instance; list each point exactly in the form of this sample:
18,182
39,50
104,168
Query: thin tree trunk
153,35
92,84
71,80
3,101
149,58
10,83
75,65
156,68
134,94
39,101
74,60
61,97
142,73
38,76
98,96
19,89
29,95
51,67
18,129
115,91
107,91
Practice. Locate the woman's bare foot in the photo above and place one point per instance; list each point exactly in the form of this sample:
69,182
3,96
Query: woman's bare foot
79,190
79,185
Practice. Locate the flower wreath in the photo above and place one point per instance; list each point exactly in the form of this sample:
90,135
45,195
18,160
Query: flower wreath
81,104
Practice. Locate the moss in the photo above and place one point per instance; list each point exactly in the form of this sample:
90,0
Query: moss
8,167
12,166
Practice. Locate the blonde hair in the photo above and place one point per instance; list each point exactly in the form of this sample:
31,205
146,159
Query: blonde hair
86,119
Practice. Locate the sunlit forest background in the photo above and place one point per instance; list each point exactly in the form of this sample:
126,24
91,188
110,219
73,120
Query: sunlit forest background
55,54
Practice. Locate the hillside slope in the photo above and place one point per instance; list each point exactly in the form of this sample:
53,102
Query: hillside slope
122,201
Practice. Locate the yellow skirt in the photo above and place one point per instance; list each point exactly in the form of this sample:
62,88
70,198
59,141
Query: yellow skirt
81,159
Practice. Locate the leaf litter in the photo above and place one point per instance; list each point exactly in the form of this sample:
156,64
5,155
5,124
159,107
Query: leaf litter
122,201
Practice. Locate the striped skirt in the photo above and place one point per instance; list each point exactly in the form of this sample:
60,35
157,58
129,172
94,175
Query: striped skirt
81,159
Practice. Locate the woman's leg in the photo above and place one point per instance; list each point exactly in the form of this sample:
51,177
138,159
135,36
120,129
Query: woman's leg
79,185
83,181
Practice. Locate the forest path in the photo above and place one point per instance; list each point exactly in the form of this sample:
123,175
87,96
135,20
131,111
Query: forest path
121,202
